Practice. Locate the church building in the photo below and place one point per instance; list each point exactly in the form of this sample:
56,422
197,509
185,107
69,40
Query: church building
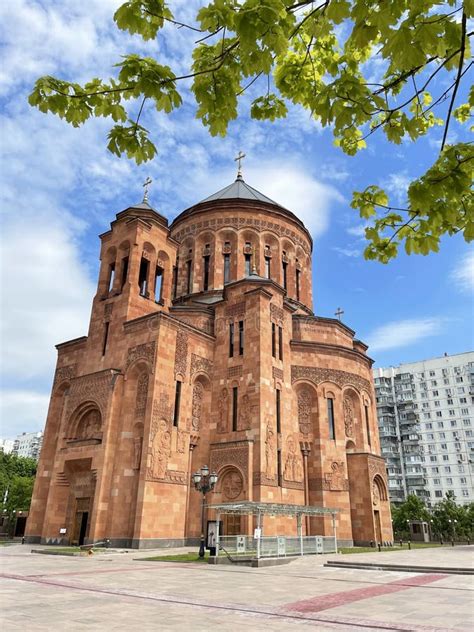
203,349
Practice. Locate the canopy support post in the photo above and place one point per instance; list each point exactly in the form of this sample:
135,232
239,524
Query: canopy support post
300,532
218,517
335,532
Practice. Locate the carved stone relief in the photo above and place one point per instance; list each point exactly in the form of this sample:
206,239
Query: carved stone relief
348,417
142,392
65,373
200,365
223,405
375,494
160,445
196,412
90,425
276,313
232,485
304,411
277,373
245,413
181,355
335,479
318,375
145,351
181,441
293,464
235,453
270,452
97,387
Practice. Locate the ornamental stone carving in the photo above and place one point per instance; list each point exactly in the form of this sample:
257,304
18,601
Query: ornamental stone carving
137,452
377,466
293,464
245,413
318,375
89,425
235,310
277,373
144,351
200,365
96,387
348,417
276,313
233,453
335,479
196,412
232,485
304,411
375,494
181,441
270,452
223,406
142,392
160,444
64,373
181,354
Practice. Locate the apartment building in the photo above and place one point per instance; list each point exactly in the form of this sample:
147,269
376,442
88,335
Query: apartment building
425,414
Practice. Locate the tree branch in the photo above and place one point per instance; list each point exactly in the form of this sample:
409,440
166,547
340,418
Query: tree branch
458,78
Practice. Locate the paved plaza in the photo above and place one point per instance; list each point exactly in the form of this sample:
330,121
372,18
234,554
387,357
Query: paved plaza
122,591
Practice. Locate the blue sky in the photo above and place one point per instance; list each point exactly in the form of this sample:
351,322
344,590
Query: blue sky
60,188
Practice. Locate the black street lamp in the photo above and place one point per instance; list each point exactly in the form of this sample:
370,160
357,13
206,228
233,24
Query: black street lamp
204,483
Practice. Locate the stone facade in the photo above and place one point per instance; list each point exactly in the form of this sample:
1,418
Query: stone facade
203,349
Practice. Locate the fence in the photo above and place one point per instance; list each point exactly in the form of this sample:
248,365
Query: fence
276,546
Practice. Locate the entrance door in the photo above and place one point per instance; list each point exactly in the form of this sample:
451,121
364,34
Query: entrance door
378,527
81,520
232,524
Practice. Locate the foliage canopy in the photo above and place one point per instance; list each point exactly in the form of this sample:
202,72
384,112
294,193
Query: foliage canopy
321,56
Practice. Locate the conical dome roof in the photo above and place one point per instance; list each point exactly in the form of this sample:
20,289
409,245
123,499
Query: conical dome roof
239,190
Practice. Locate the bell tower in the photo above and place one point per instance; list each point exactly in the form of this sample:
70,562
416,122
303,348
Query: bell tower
137,257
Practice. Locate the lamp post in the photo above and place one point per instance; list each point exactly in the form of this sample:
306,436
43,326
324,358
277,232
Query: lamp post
204,482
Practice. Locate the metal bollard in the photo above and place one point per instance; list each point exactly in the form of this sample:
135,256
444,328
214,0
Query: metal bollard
401,543
379,546
409,545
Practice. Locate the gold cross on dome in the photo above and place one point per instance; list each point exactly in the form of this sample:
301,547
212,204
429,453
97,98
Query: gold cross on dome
239,159
339,312
146,185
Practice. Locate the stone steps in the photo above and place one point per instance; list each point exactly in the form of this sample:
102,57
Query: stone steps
408,568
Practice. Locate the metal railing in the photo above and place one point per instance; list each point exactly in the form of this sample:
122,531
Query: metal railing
275,546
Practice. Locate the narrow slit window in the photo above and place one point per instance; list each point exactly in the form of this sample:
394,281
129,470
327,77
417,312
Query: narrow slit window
175,279
280,343
279,468
106,336
285,274
189,264
248,259
241,337
268,267
158,284
226,268
206,264
143,277
332,429
274,340
177,402
235,407
124,271
111,280
298,284
231,340
278,410
367,424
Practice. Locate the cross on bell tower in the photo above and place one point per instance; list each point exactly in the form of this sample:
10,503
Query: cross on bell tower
146,186
240,156
339,312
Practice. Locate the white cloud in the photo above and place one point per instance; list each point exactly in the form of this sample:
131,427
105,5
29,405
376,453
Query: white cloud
463,273
356,231
402,333
298,190
22,411
46,291
347,252
397,184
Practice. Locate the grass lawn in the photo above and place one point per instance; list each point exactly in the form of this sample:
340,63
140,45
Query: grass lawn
180,557
388,549
68,550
